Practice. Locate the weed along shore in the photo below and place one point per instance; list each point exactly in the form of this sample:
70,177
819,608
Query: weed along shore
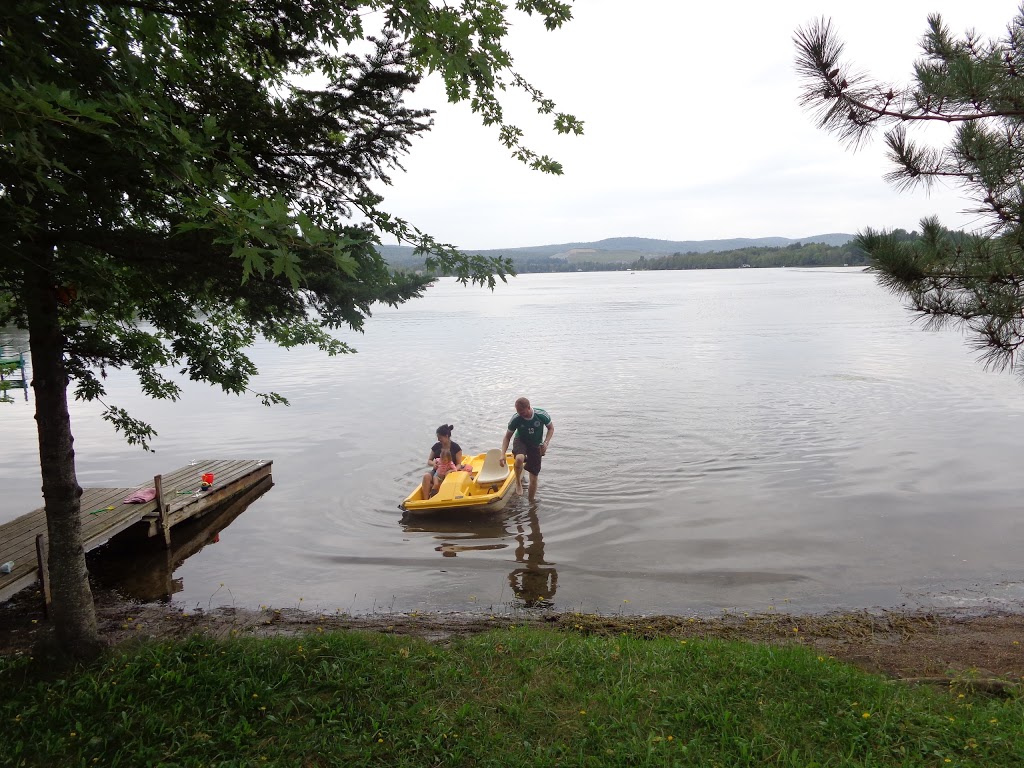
296,688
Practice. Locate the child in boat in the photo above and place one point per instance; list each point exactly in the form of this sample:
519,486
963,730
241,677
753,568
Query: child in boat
442,466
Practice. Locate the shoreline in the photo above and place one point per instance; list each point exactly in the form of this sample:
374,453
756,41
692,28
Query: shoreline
924,646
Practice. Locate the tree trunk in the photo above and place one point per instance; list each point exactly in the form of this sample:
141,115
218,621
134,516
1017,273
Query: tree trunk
73,613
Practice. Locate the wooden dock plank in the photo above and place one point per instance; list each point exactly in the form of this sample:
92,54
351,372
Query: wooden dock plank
22,531
231,477
215,496
224,475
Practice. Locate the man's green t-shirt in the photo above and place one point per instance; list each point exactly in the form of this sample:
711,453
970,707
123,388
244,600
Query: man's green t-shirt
530,430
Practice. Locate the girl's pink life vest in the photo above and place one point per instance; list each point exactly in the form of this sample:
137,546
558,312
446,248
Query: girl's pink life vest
443,468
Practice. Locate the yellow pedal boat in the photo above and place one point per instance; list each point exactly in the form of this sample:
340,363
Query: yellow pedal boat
487,488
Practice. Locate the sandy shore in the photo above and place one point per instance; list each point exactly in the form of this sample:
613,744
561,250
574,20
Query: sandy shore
904,645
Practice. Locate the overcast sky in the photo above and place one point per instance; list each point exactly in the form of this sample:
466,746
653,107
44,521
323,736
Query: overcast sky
693,131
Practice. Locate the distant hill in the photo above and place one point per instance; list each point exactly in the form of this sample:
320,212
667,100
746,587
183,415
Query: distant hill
617,250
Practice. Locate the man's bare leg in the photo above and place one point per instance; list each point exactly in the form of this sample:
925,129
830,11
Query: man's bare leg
520,458
533,486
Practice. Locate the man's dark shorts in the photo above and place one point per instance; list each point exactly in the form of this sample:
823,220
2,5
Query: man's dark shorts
530,451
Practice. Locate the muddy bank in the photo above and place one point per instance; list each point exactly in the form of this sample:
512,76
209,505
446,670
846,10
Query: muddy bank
899,644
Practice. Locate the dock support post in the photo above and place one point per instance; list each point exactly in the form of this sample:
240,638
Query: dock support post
44,574
163,511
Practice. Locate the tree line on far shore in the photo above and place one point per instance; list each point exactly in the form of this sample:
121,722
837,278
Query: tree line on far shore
793,255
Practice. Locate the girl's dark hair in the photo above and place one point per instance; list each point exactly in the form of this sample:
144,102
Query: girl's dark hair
445,429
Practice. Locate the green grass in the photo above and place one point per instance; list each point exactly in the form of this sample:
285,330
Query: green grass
518,697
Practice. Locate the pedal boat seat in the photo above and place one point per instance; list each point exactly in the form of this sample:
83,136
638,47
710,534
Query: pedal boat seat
492,471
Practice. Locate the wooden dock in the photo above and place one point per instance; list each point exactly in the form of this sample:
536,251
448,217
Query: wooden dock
104,514
147,573
12,376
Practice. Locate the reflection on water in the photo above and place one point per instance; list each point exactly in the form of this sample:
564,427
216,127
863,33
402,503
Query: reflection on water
535,580
457,528
141,568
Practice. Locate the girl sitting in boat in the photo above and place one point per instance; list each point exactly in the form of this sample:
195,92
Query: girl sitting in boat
444,441
442,466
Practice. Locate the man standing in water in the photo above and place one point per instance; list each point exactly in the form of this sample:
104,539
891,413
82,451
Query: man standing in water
530,443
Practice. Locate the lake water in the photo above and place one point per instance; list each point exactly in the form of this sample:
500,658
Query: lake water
750,440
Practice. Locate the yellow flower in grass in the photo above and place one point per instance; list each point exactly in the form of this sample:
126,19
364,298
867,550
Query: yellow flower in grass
866,715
